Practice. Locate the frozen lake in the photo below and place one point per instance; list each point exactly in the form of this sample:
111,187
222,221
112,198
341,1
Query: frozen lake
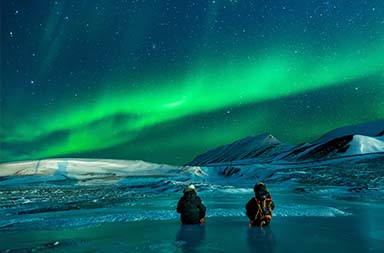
122,206
303,222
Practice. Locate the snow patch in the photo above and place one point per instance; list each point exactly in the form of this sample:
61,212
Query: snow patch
364,144
367,129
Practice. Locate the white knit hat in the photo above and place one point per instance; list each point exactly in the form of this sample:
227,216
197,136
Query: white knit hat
190,187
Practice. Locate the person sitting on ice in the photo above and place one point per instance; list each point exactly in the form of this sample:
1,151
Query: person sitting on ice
191,207
259,209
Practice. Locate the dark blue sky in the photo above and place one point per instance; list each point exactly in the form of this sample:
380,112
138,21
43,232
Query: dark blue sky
166,80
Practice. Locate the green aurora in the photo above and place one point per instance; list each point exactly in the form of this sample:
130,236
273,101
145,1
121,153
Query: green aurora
173,115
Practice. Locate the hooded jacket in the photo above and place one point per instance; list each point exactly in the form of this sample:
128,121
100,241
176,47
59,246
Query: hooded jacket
260,206
191,208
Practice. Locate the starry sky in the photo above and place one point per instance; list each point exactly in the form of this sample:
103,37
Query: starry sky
165,80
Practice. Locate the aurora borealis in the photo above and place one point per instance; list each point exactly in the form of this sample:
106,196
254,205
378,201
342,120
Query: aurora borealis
164,81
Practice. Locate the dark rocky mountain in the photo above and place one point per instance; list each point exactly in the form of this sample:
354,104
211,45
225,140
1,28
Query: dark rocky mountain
352,140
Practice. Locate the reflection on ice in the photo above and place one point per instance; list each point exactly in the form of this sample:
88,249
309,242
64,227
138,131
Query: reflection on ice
260,240
65,196
190,237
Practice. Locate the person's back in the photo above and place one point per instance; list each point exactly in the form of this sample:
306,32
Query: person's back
191,207
259,209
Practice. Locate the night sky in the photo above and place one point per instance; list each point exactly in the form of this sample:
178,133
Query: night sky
166,80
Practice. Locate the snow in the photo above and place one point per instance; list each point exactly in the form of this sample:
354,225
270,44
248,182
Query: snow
367,129
364,145
84,168
359,145
265,148
92,199
83,198
283,153
263,145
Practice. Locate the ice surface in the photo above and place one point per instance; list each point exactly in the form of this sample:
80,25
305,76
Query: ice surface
77,205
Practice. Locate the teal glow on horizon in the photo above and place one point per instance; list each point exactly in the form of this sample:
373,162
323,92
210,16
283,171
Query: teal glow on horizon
107,105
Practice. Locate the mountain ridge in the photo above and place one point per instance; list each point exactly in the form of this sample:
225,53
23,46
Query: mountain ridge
349,140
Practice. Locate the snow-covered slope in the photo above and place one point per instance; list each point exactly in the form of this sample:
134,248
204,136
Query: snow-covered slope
346,141
263,146
373,129
348,145
364,145
261,157
78,168
84,170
